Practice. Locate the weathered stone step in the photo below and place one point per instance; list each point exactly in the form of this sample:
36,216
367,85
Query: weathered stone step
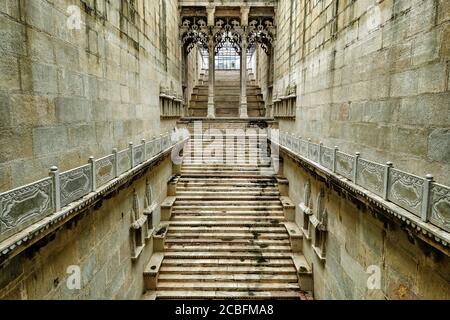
227,235
226,229
228,224
193,188
224,193
226,241
235,171
246,219
254,214
206,294
219,167
238,277
227,175
225,208
227,197
229,205
216,285
224,269
214,247
229,262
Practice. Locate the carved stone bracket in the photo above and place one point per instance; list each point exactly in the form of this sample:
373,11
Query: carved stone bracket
318,226
306,210
138,228
262,31
194,31
227,30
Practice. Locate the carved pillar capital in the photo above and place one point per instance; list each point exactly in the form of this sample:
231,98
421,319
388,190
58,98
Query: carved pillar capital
244,16
211,10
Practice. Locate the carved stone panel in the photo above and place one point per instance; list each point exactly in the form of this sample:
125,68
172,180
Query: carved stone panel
124,161
303,147
406,190
370,176
104,170
138,154
150,149
440,206
75,184
313,152
326,157
344,164
25,205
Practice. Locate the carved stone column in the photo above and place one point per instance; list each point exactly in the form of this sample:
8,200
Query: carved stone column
243,103
211,76
211,72
244,45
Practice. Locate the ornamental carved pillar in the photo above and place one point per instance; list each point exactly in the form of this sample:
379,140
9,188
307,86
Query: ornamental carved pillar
211,60
244,46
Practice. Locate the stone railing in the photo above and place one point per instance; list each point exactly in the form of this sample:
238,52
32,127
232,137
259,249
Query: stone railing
420,196
29,204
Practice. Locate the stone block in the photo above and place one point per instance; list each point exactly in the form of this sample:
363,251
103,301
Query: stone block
49,140
427,109
15,143
9,73
404,84
32,110
432,78
12,37
38,77
439,145
11,8
5,119
73,109
426,47
81,136
41,47
67,55
70,83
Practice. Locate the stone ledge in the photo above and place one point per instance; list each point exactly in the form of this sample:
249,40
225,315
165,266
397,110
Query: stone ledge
15,244
429,233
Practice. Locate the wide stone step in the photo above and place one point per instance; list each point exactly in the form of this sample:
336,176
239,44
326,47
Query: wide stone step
203,208
214,247
226,197
230,174
246,219
228,262
271,223
226,229
209,294
254,214
227,235
223,193
239,277
225,240
224,269
217,285
194,189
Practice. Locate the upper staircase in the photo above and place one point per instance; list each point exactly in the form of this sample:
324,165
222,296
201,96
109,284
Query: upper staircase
226,97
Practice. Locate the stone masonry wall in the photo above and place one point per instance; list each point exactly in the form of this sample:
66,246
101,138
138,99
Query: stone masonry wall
371,76
97,241
357,241
68,94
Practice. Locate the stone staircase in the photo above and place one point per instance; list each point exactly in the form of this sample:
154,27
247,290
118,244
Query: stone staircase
228,236
227,97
